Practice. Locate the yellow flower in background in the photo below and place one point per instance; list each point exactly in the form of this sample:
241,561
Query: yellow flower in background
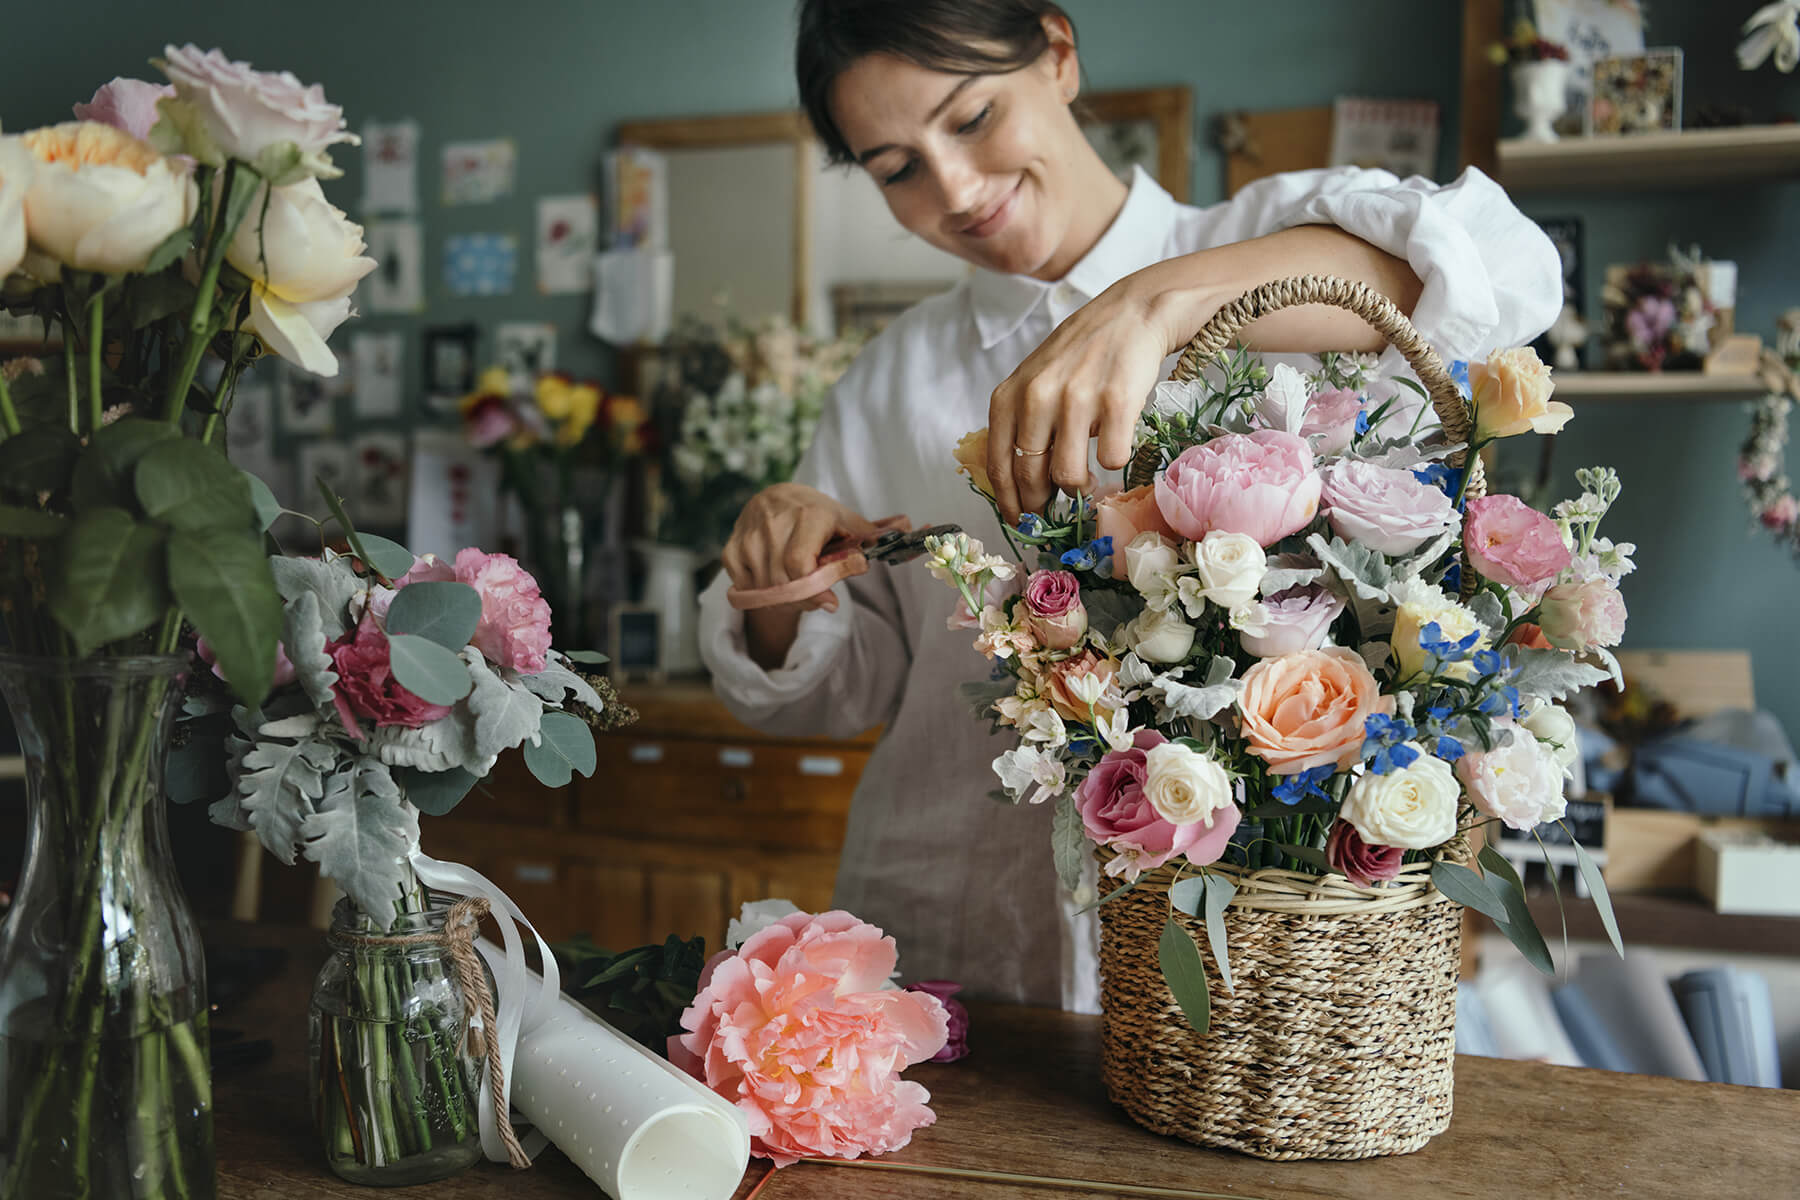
582,407
626,417
555,396
495,380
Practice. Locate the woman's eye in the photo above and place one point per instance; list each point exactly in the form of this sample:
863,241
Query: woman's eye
903,174
977,121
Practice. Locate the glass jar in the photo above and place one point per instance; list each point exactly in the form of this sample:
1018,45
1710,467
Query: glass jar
395,1077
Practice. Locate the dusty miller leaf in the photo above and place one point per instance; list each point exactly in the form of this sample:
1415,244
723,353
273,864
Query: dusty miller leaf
556,681
1196,703
1426,556
1552,674
1108,609
505,713
361,835
305,641
279,784
982,694
435,746
1486,607
1363,572
333,583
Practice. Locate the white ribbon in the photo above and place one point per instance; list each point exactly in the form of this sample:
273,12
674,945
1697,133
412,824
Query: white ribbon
519,1008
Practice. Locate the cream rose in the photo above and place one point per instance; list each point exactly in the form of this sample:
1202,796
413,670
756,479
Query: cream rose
224,109
99,199
1511,395
971,460
1184,786
1552,725
1421,604
1160,636
1413,807
1231,567
305,258
16,168
1521,782
1151,564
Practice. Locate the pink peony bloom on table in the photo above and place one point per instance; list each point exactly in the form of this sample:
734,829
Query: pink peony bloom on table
1298,619
128,104
1512,543
284,666
1261,484
1358,861
1116,813
1384,508
1581,615
1123,515
366,687
515,618
800,1030
958,1044
1053,607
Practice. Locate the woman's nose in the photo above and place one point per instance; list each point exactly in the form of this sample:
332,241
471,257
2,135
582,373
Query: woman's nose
959,185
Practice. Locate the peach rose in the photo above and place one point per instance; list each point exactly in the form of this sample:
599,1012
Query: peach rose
1307,709
15,180
100,199
971,460
1061,680
1123,515
1511,395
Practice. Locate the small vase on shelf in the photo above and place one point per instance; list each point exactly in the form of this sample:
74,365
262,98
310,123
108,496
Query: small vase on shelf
1540,96
669,588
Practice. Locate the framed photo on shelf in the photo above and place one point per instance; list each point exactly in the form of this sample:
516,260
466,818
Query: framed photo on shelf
635,644
1636,93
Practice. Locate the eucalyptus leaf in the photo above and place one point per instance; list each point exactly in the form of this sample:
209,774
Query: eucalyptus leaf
435,793
388,557
263,501
1188,895
1219,893
565,745
222,580
1496,863
1185,974
31,523
1521,928
1596,885
1068,841
591,658
109,582
427,670
191,486
1312,856
360,836
556,682
35,461
1467,888
441,611
104,475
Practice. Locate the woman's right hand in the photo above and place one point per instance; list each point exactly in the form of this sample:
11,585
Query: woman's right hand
778,538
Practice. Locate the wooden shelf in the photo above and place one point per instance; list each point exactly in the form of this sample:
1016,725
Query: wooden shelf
1699,158
1665,919
1603,386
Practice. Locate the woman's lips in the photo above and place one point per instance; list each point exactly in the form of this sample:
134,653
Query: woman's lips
995,220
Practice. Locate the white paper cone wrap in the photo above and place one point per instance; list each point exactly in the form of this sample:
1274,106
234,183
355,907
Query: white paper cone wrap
639,1127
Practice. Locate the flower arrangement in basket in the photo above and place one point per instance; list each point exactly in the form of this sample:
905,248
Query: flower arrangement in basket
1279,687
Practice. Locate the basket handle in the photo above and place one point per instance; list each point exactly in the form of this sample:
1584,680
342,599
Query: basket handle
1219,332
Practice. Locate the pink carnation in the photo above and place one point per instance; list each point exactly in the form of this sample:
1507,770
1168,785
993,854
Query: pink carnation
1512,543
515,618
800,1031
127,104
1116,813
1780,515
1260,484
366,686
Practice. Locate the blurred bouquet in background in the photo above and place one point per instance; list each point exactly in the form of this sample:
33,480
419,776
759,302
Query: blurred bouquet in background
1668,316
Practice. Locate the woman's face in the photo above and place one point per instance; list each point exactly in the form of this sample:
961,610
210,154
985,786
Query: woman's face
982,166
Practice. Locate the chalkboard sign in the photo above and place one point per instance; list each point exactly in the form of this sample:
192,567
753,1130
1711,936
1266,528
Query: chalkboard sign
637,642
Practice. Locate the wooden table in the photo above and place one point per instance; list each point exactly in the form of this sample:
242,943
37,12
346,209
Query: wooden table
1028,1103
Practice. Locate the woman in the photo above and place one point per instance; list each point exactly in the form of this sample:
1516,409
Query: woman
1084,285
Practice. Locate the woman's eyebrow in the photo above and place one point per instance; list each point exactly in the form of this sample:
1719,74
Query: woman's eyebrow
949,98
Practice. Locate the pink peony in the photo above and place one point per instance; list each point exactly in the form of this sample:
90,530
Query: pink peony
1053,609
1579,616
1298,619
1116,813
515,619
1261,484
1357,860
128,104
800,1030
366,686
1512,543
1383,508
1123,515
958,1044
284,666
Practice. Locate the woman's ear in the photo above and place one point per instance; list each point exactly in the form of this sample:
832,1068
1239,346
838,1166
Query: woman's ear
1060,56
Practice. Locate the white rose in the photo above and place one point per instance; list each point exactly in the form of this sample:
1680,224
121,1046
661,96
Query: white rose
1552,725
1231,567
1160,637
16,166
305,257
1421,604
1184,786
1521,782
754,917
224,109
1410,807
99,199
1151,563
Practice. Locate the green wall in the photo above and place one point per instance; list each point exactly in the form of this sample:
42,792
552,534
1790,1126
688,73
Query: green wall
557,76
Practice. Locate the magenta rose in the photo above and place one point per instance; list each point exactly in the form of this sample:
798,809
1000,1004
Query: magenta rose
1261,484
127,104
1116,813
1512,543
366,686
1581,615
1299,618
1357,860
515,618
958,1044
1384,508
1053,608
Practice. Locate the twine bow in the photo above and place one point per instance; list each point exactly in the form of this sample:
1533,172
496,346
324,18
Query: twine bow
460,928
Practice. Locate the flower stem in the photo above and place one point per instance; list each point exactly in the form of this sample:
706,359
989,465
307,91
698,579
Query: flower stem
96,311
9,416
74,384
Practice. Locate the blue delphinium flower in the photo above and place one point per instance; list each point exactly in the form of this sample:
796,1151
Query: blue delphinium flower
1086,558
1437,475
1031,525
1362,422
1384,743
1433,641
1488,662
1453,578
1448,748
1295,788
1459,375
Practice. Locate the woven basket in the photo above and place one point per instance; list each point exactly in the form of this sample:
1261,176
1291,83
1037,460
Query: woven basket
1338,1039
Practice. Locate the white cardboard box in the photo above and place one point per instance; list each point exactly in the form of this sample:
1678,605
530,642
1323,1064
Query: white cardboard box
1748,873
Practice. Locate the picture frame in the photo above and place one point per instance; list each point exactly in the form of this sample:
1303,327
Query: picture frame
449,364
634,644
1636,94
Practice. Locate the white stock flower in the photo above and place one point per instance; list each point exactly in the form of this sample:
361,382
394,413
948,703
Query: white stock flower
1231,566
1251,619
99,199
1184,786
1030,774
1044,726
1116,730
1552,725
754,917
1410,807
1283,402
1521,782
224,109
1159,636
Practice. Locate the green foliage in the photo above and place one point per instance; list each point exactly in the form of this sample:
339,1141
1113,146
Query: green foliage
360,834
444,612
427,670
435,793
565,745
190,486
221,579
1467,888
505,713
104,474
1185,974
109,582
639,992
1068,841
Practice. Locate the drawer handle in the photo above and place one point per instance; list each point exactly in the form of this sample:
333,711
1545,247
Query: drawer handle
734,756
646,752
821,764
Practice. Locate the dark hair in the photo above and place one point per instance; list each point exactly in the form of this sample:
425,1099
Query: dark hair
961,37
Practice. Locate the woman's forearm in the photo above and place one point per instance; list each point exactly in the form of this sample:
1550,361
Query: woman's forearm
1183,293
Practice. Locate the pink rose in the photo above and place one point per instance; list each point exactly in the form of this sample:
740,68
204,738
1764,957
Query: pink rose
284,666
1512,543
1298,619
1330,424
488,420
1116,813
1124,515
1578,616
1055,613
1357,860
245,113
1261,484
128,104
366,686
957,1046
1781,514
1059,676
1383,508
1304,710
801,1032
515,618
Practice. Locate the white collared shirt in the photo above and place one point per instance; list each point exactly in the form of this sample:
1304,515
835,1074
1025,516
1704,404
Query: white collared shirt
964,883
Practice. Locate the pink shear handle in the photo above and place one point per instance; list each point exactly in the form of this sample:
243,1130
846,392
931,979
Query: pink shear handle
841,558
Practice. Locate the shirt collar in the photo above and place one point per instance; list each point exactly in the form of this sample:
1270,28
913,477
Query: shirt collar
1135,240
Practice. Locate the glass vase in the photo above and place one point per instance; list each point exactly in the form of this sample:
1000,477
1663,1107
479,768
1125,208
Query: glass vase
556,541
395,1077
105,1089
